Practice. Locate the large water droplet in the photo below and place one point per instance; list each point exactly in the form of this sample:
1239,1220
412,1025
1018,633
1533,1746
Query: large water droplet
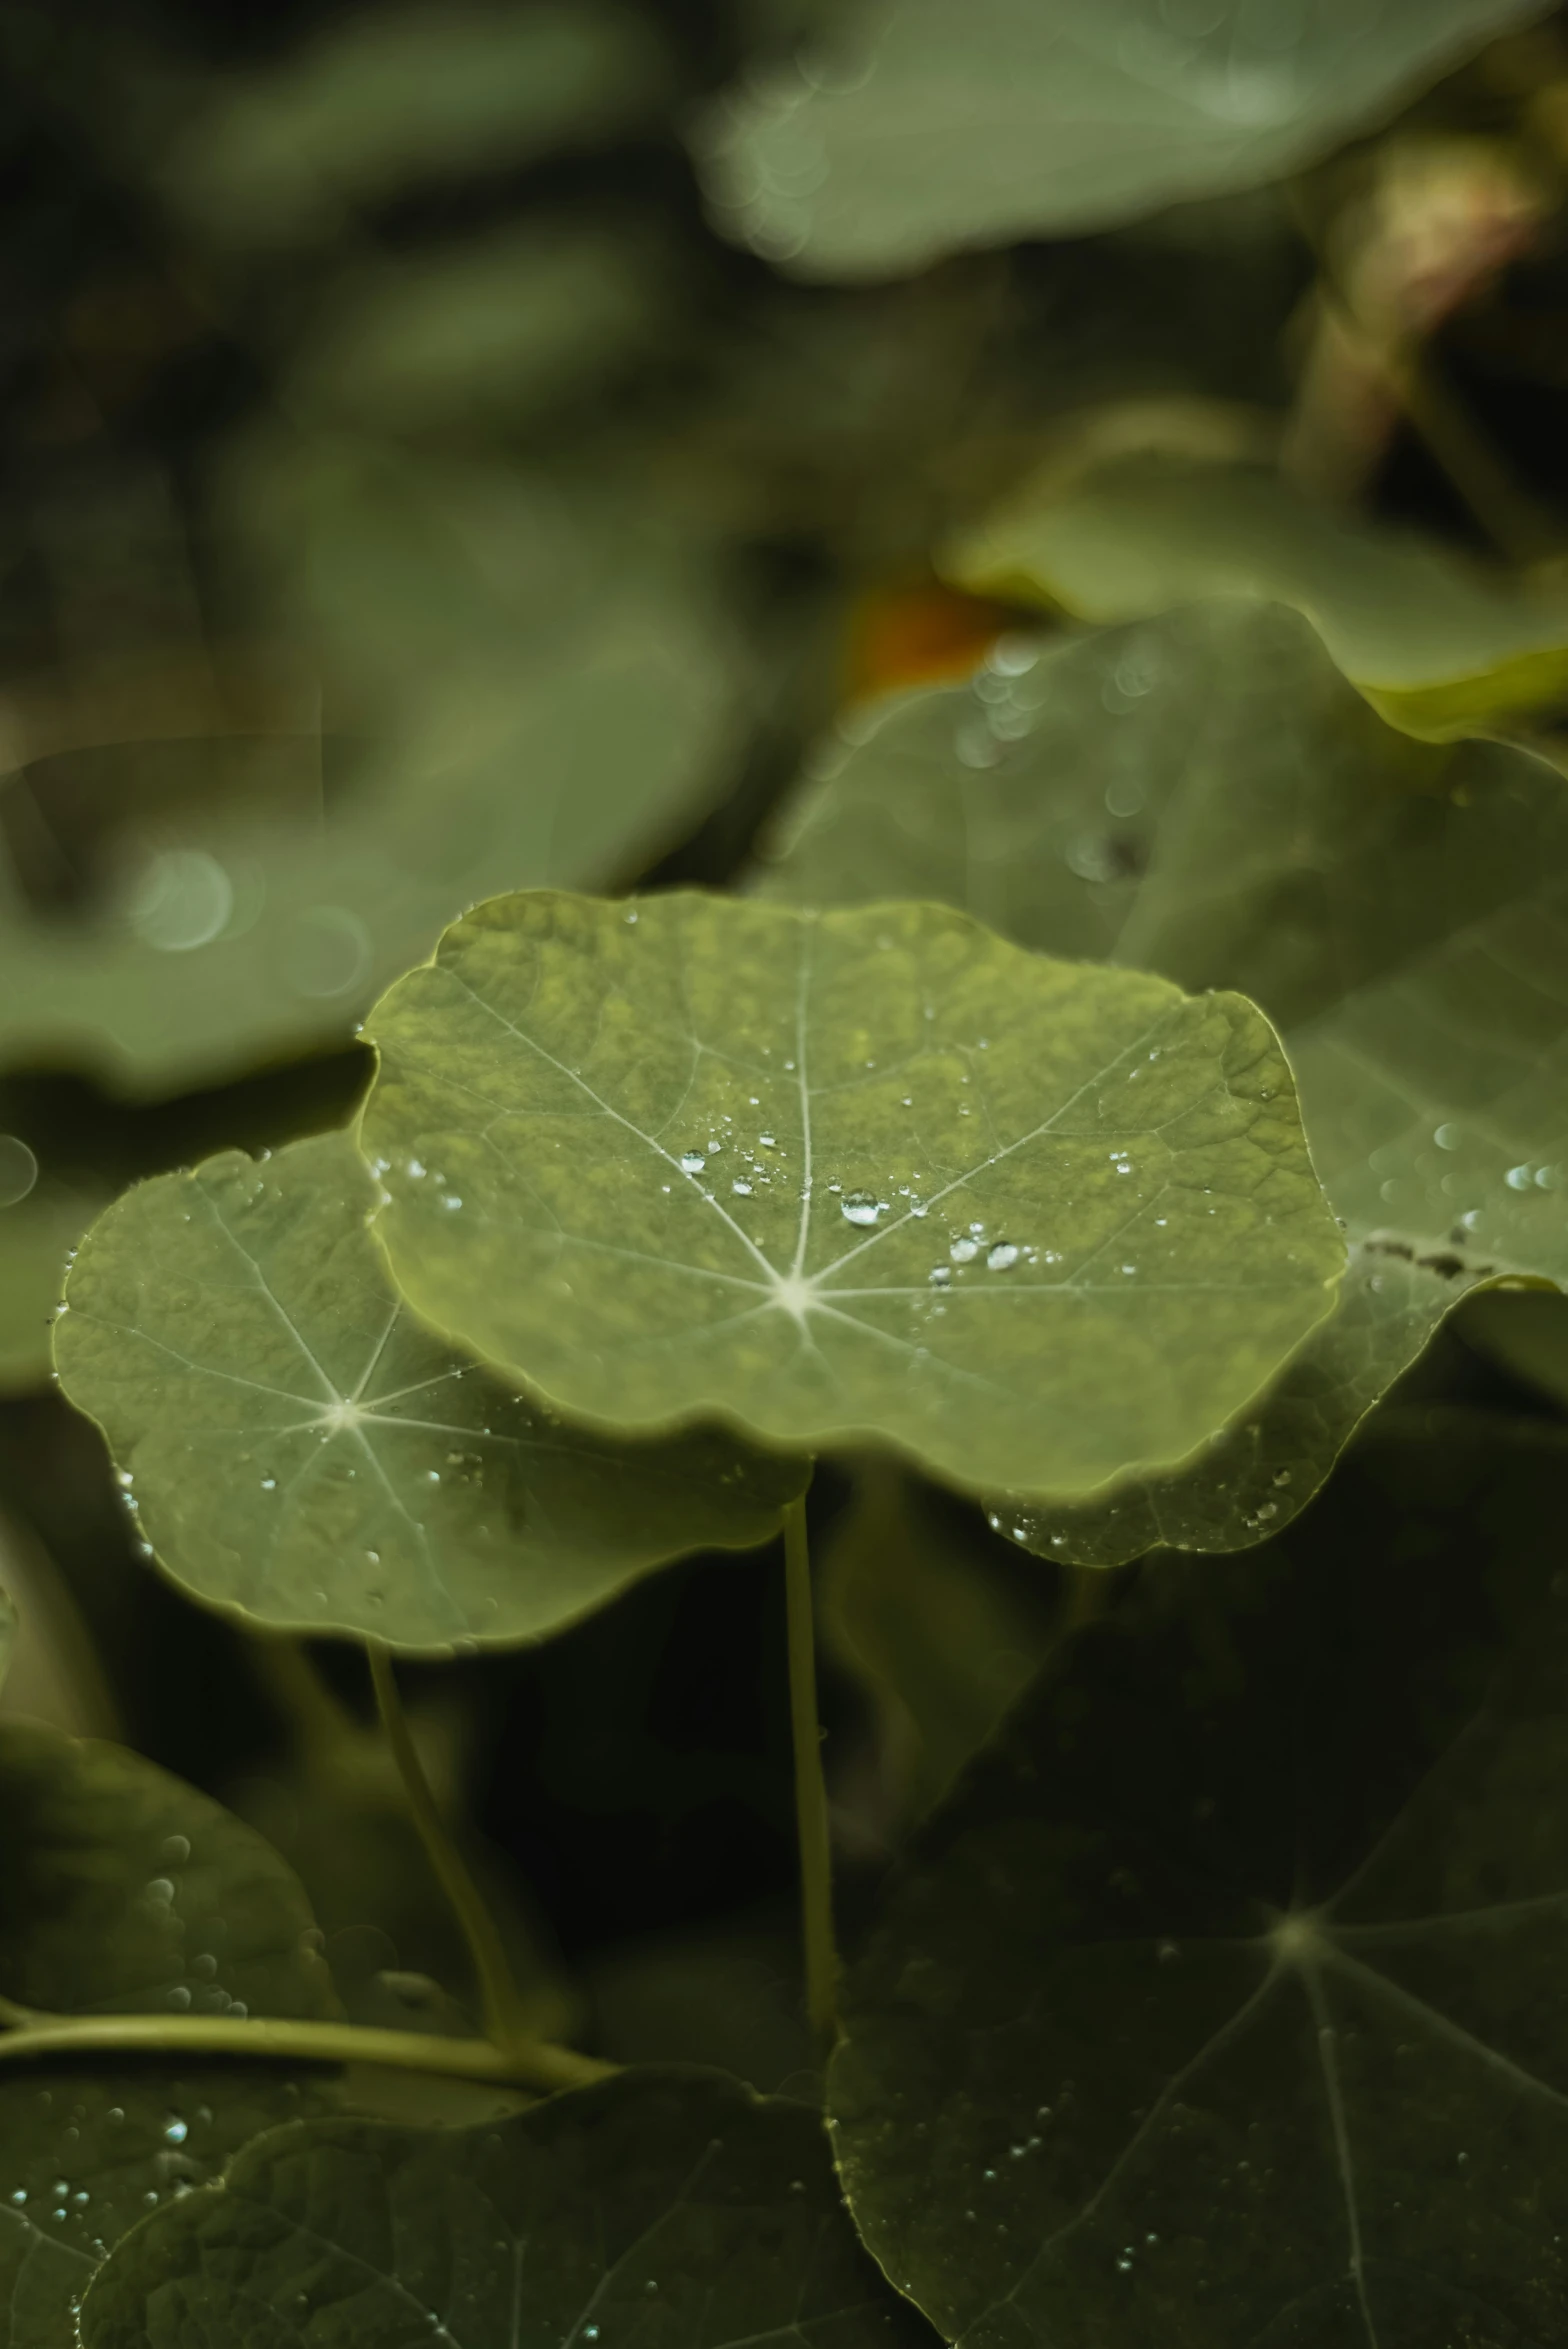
861,1207
1002,1257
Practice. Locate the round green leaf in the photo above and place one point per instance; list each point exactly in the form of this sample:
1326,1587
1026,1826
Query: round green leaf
1203,795
1442,648
876,1174
1221,2006
127,1892
301,1452
923,126
666,2205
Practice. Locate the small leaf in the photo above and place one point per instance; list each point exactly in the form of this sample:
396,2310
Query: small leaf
123,1891
1204,796
874,1175
1220,2005
301,1452
670,2205
920,127
1441,648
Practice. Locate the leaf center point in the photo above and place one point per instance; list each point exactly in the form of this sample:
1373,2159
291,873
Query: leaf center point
794,1294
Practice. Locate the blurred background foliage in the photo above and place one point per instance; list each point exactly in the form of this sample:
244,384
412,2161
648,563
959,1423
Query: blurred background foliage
439,453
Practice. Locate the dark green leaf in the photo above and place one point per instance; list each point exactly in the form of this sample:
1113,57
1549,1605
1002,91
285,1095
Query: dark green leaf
875,1174
303,1453
919,126
664,2205
7,1633
1221,2005
941,1625
122,1890
1204,796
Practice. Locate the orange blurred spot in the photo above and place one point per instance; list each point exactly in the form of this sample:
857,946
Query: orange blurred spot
921,634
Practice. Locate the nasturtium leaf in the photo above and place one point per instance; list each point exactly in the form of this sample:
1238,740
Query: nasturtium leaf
528,685
1204,796
727,1995
1441,648
1221,2005
1264,1469
921,126
374,106
872,1174
124,1891
302,1452
669,2205
1525,1335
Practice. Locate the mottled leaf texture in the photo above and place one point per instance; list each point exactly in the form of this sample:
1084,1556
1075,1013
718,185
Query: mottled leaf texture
122,1890
1222,2005
1204,796
302,1452
671,2209
1441,648
869,1174
922,126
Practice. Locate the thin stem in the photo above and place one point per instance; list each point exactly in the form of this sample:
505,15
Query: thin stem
522,2064
811,1802
505,2016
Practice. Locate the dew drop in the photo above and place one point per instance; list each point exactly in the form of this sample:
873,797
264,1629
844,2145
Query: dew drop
1002,1257
964,1250
860,1207
693,1161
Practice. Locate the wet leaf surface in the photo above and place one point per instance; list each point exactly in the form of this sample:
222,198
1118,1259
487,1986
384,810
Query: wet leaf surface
1220,2004
845,1177
302,1452
667,2206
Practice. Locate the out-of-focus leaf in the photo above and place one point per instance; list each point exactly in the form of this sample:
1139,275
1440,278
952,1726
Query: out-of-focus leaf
7,1634
672,2188
303,1453
1525,1335
122,1890
1204,796
490,335
916,127
857,1176
1441,649
391,99
942,1631
539,696
36,1235
1221,2003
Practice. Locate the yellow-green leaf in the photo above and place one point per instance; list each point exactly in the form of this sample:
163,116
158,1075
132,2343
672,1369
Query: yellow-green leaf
877,1174
1441,647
